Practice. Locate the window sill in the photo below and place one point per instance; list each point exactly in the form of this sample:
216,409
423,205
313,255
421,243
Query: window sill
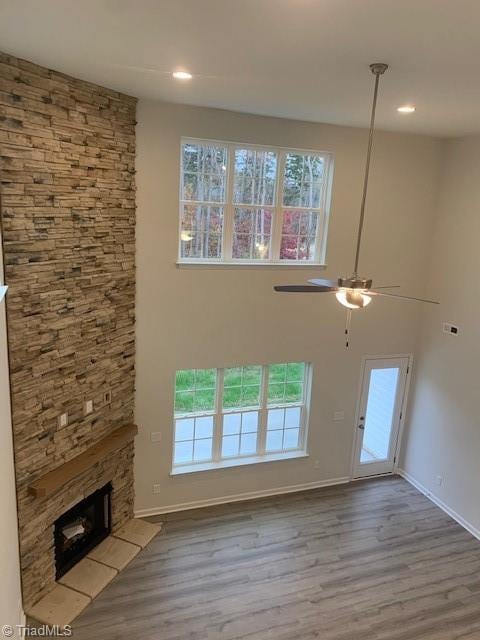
237,462
236,264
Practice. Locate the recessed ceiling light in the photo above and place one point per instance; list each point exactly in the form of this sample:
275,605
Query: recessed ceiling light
407,108
182,75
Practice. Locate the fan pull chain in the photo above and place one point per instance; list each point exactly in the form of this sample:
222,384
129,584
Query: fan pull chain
347,328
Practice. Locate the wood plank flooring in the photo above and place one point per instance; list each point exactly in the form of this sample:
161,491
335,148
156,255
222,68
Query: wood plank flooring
373,560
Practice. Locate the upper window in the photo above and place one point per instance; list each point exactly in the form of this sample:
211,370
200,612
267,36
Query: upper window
239,412
242,203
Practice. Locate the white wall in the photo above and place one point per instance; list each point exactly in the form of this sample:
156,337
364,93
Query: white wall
10,593
214,317
444,434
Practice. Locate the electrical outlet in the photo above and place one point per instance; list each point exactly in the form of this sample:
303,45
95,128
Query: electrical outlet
338,416
88,407
107,397
316,464
156,436
156,488
440,481
63,420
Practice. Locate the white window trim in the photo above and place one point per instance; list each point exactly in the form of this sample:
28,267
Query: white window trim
217,462
186,263
237,462
277,208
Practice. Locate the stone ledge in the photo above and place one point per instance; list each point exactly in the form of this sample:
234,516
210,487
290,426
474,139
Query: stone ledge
56,479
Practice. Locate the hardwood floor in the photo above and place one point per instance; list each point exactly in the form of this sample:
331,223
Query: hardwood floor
373,560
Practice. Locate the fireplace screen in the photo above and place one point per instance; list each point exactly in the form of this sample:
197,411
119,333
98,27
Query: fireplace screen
81,528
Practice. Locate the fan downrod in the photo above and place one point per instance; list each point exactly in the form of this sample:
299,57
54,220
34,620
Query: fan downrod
378,68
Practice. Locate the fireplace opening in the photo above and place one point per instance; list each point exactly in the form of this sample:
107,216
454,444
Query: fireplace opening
81,528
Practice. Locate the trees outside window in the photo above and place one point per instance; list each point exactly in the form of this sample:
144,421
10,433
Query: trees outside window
244,203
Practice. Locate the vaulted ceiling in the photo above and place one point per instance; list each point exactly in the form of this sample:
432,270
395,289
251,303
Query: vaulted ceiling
304,59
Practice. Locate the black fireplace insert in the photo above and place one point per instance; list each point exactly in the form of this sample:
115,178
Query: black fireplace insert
81,528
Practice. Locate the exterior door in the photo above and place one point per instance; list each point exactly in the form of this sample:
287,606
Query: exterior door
378,415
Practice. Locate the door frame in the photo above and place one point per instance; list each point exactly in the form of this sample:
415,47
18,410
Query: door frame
403,411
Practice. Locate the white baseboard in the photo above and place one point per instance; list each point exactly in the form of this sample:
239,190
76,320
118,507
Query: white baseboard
239,497
436,500
252,495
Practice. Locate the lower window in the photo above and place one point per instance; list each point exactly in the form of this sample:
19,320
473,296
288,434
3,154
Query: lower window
237,413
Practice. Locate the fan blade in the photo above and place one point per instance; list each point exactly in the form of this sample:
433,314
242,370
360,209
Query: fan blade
334,285
302,288
395,295
320,282
391,286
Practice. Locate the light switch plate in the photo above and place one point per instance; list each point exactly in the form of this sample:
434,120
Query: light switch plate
450,328
88,407
338,415
156,436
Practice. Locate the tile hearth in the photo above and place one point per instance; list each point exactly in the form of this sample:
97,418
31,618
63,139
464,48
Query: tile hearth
77,588
114,553
59,607
88,577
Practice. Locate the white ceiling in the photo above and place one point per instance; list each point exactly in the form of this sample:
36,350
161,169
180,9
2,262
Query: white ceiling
304,59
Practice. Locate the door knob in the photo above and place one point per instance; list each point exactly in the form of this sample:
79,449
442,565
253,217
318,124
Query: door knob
361,426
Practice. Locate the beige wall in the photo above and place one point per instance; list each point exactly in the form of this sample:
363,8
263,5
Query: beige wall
10,592
444,434
191,317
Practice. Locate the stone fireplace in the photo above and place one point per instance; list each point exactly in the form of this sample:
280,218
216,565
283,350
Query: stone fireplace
38,534
68,215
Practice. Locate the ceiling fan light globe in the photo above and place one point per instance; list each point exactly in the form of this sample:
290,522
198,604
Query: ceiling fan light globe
353,299
366,300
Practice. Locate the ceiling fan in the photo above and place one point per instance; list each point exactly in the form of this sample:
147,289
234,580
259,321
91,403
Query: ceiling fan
354,292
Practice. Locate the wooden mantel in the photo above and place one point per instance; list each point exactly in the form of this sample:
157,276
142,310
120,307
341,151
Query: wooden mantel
54,480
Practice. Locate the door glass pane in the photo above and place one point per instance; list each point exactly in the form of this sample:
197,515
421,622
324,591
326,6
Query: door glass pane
382,392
